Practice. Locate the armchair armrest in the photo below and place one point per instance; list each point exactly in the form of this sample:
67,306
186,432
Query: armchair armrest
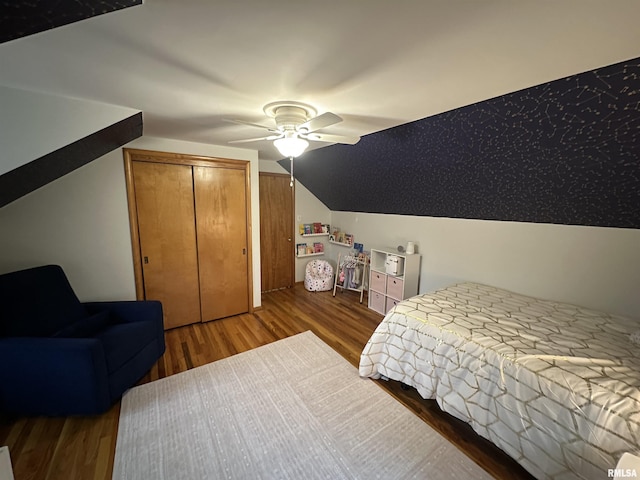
128,311
134,311
53,376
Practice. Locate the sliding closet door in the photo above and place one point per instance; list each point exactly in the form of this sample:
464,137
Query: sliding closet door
221,224
165,212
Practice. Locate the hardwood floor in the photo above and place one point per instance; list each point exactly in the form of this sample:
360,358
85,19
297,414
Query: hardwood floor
84,447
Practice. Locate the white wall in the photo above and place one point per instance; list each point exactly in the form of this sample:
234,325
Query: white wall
308,209
590,266
33,124
81,222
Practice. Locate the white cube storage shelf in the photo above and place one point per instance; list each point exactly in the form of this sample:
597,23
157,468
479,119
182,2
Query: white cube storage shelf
386,290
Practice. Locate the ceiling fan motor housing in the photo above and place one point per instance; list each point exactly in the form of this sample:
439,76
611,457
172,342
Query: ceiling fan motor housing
289,115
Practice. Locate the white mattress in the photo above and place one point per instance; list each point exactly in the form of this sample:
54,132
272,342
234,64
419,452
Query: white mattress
555,386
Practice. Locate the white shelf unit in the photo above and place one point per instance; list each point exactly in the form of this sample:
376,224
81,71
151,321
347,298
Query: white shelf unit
348,245
386,290
316,254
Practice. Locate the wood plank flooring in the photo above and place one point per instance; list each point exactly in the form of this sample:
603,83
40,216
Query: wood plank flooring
84,447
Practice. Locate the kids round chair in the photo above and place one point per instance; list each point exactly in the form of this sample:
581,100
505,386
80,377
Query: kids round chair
318,276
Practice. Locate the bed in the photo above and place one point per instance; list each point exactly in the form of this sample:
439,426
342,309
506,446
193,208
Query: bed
556,386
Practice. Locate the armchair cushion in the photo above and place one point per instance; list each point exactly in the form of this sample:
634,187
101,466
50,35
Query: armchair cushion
85,327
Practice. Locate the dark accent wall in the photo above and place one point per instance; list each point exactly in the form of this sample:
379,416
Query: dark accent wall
19,18
33,175
565,152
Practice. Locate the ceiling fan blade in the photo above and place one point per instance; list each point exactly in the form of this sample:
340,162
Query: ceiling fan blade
327,137
256,139
242,122
321,121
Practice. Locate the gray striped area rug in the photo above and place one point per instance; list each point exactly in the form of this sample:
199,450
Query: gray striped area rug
293,409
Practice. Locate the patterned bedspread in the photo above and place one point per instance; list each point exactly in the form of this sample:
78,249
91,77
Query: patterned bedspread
555,386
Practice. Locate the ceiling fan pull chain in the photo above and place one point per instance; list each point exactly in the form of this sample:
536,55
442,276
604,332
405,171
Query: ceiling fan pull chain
291,182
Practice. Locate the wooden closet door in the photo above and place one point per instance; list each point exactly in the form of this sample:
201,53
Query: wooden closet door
276,231
221,224
164,203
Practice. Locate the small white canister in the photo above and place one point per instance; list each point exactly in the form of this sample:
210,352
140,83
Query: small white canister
411,248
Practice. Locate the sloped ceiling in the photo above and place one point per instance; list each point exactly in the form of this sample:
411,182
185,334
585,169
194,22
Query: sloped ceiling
35,174
564,152
189,65
20,176
19,19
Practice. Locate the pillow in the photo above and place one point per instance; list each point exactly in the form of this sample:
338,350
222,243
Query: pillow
85,327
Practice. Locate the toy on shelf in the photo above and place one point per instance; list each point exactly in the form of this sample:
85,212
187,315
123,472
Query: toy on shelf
341,238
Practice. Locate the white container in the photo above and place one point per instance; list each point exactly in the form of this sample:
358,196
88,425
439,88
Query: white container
394,265
6,472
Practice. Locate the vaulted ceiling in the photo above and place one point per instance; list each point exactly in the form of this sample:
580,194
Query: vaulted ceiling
188,65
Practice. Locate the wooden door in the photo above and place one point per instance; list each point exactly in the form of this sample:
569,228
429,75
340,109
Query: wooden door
167,239
221,223
276,231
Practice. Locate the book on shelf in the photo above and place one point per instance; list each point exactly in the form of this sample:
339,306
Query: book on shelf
318,247
310,249
348,239
308,229
301,249
317,227
326,228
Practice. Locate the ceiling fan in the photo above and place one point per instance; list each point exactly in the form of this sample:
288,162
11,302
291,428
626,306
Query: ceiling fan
295,124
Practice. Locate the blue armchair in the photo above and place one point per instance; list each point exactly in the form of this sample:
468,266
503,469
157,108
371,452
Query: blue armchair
59,356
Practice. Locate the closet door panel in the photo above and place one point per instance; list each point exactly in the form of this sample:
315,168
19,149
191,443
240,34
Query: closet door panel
165,210
221,224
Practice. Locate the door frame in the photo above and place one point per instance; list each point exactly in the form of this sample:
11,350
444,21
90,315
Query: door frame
132,154
292,225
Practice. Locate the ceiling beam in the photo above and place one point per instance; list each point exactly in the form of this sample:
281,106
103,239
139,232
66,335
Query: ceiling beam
33,175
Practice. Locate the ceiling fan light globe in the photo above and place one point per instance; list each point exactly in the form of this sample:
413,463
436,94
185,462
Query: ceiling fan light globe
291,146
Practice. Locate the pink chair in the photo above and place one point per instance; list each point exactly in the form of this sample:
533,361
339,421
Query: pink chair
318,276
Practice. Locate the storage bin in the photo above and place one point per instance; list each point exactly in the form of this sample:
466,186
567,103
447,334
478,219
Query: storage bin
394,287
394,265
377,302
378,282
